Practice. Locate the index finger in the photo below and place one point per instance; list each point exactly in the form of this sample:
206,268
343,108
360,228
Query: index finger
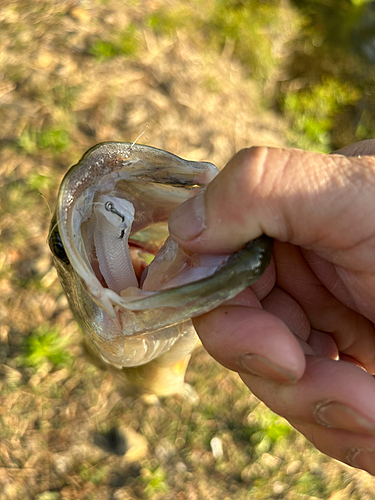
288,194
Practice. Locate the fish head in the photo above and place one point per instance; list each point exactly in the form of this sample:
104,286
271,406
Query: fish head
110,222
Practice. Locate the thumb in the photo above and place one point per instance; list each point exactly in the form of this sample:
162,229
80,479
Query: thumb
304,198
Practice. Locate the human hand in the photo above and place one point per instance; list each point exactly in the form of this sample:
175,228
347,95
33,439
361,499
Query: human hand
316,301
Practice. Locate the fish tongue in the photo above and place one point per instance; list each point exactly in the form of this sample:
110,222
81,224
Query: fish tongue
173,266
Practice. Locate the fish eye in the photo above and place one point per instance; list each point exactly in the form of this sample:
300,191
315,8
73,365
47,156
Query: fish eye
56,244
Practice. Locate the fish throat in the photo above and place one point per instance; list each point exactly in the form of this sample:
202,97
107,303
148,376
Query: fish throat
112,223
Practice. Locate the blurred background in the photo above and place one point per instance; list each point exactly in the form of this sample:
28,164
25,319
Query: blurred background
204,79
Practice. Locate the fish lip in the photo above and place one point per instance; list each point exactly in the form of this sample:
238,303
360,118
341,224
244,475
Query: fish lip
248,263
108,158
131,331
242,269
104,160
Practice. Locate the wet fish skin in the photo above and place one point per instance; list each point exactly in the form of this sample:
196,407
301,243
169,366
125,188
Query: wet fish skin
150,335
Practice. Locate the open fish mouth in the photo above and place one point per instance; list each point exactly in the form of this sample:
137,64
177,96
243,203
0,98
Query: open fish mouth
132,288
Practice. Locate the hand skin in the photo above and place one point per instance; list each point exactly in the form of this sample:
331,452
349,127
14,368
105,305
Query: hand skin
316,301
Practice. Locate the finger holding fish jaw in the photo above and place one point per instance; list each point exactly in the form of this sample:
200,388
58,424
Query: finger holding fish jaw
245,337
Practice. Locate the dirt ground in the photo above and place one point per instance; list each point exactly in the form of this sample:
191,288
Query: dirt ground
67,430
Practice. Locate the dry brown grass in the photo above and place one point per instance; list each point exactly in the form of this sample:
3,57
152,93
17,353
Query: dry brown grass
56,101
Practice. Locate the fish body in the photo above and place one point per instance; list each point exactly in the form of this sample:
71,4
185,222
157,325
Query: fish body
110,222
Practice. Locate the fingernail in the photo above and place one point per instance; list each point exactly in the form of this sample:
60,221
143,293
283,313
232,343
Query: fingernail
262,367
362,458
188,220
339,416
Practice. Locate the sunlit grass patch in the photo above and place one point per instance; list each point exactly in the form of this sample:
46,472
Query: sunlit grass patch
250,28
312,111
55,139
366,126
311,484
16,197
154,480
212,84
27,141
43,345
269,431
94,474
15,202
275,427
103,50
168,18
39,182
125,43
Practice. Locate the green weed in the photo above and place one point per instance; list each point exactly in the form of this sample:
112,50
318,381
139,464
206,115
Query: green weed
154,481
272,430
212,84
103,50
311,484
93,474
312,111
126,43
45,344
39,182
129,41
55,139
276,428
248,26
28,141
360,2
166,20
366,126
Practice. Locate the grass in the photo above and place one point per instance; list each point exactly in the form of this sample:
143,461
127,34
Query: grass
331,78
93,474
199,75
45,345
55,139
39,182
312,111
250,28
155,481
257,35
125,43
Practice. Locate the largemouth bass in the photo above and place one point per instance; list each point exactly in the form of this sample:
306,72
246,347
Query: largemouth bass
131,287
